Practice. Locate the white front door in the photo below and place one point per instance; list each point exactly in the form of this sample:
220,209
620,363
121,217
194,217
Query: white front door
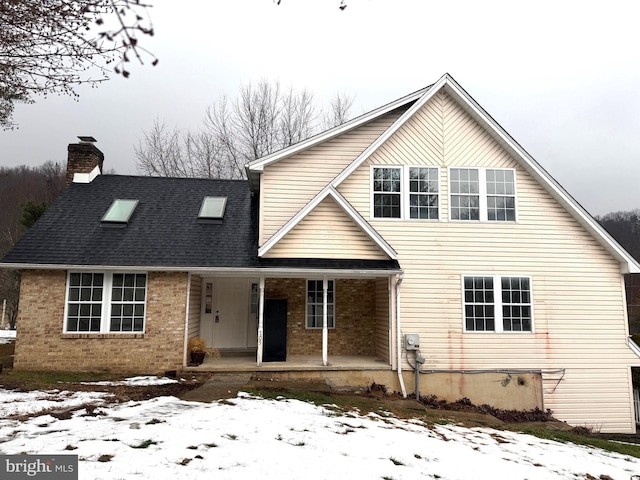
227,321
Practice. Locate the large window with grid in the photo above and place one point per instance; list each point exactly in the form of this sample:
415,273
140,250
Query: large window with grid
424,185
315,304
485,194
387,192
405,192
497,304
105,302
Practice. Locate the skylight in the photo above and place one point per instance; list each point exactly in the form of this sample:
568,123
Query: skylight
120,211
212,208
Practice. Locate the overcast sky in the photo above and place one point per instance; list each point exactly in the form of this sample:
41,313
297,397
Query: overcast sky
562,77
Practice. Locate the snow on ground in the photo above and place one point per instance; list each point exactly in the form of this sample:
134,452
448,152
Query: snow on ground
7,336
284,439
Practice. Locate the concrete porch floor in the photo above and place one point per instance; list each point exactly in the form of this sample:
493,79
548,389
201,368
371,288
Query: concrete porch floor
293,363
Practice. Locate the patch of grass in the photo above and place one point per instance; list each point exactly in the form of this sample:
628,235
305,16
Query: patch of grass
46,380
317,398
395,461
566,436
210,445
153,421
145,444
231,436
105,458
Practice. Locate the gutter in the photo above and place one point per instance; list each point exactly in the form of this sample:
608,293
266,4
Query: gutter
212,270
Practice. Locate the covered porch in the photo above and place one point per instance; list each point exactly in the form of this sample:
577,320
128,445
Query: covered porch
337,319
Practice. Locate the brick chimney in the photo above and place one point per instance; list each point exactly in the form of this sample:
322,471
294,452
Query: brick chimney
83,157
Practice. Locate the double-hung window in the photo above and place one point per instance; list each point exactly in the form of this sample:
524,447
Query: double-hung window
497,304
486,194
405,192
105,302
387,192
315,304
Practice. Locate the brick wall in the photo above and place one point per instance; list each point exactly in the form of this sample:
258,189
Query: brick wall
355,317
41,345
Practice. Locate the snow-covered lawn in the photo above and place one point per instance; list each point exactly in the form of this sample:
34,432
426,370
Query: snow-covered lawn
251,437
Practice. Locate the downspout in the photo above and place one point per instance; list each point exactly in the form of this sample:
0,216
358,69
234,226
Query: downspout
186,322
260,322
399,337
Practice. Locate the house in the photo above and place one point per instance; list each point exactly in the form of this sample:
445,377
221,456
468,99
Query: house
417,236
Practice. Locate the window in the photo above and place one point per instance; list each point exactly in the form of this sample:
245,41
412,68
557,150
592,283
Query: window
212,207
501,195
465,194
497,304
314,304
84,310
120,211
482,194
106,302
423,192
405,192
386,192
128,293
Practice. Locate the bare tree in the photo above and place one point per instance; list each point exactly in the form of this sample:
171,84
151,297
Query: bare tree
260,120
53,46
339,111
298,117
167,152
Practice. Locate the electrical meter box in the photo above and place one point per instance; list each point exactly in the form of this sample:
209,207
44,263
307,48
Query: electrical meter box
411,341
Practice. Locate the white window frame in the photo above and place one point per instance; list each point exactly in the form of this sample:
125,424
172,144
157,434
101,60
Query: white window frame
498,304
405,194
306,303
482,194
106,302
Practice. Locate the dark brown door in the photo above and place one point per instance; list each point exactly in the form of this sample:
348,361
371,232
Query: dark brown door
274,348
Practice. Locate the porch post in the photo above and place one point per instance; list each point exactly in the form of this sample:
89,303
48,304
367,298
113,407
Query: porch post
260,320
325,327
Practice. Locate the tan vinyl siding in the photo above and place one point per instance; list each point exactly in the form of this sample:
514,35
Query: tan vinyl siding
195,298
576,401
327,232
313,168
578,297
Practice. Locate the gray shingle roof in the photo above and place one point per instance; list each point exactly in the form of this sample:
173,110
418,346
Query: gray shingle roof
163,230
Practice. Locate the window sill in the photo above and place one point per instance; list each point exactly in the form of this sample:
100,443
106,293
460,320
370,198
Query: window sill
114,336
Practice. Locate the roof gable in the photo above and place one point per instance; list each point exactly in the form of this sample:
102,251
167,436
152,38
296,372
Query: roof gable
415,103
327,231
348,210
